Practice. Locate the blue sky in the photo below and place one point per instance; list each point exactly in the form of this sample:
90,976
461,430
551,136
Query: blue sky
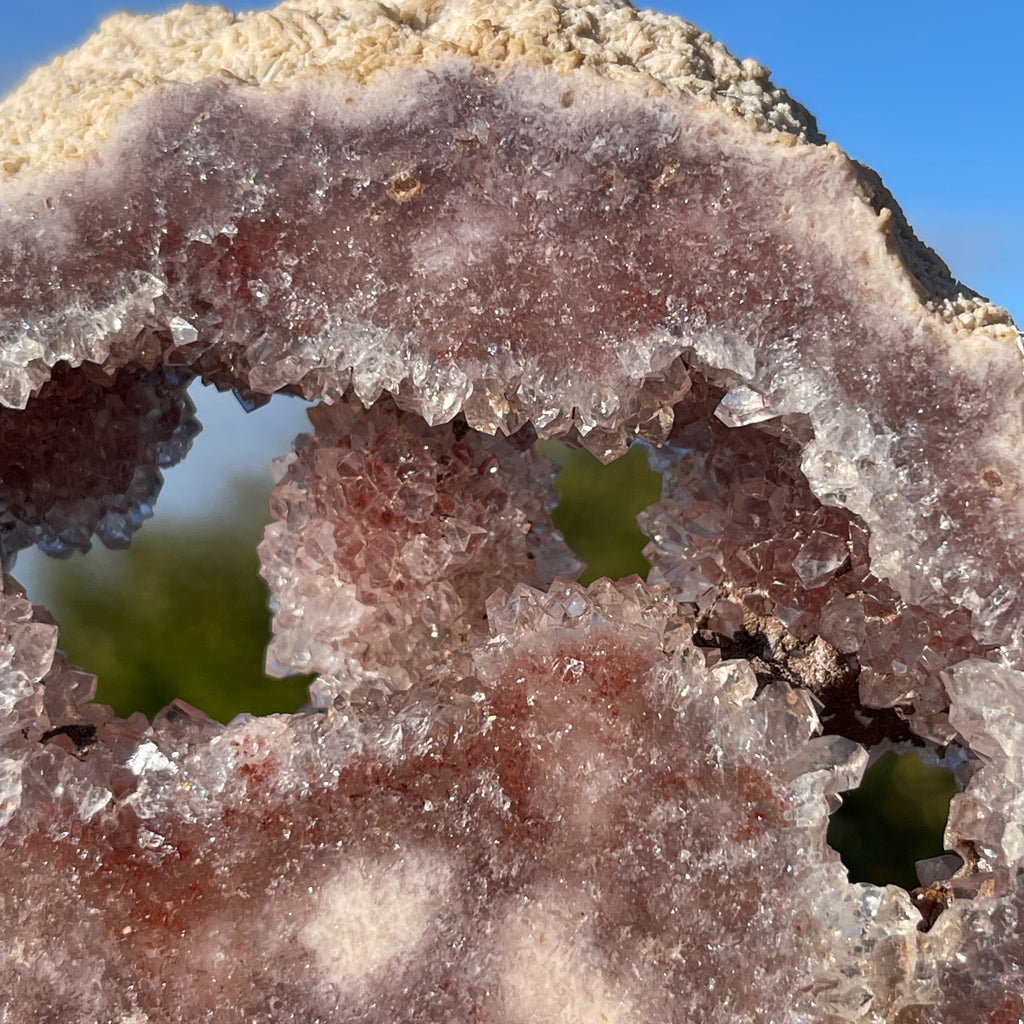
927,93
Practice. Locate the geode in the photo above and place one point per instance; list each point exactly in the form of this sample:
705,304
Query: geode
460,227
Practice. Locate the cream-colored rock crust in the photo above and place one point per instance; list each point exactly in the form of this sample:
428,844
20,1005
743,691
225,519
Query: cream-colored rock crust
67,108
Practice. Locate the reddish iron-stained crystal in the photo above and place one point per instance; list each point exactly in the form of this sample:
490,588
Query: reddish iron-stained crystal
461,226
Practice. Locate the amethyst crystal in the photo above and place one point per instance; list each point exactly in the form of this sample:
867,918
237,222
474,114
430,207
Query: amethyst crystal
464,225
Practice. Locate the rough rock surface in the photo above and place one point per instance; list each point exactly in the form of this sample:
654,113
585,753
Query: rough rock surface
461,226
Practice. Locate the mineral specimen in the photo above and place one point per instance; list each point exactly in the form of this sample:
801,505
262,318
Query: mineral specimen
84,457
464,225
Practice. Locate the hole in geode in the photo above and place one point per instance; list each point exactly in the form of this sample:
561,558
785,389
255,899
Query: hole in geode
893,819
598,508
182,612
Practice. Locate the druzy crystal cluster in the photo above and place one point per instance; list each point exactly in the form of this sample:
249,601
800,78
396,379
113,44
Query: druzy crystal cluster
460,227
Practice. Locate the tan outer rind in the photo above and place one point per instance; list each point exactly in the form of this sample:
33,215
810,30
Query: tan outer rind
64,111
67,108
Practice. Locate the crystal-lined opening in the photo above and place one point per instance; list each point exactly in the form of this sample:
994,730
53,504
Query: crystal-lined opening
893,819
191,572
464,226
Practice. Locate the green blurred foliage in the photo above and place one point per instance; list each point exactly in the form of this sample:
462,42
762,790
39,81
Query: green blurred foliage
181,613
895,817
597,513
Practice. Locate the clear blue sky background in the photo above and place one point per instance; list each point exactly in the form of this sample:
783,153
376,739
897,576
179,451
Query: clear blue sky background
925,91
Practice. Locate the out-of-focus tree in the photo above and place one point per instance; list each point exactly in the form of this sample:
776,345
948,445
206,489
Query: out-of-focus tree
181,613
599,506
894,818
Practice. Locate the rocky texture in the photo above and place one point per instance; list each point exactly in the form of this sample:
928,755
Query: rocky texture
520,800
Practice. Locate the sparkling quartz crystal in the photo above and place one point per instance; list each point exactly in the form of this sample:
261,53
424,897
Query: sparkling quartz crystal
464,225
390,537
578,831
84,457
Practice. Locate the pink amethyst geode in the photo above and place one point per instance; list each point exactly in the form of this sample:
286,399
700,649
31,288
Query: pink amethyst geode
463,226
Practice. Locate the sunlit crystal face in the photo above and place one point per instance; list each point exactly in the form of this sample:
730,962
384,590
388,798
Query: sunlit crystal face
523,800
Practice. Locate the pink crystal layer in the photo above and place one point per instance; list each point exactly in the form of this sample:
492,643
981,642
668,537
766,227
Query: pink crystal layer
605,806
739,535
581,804
321,239
390,538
